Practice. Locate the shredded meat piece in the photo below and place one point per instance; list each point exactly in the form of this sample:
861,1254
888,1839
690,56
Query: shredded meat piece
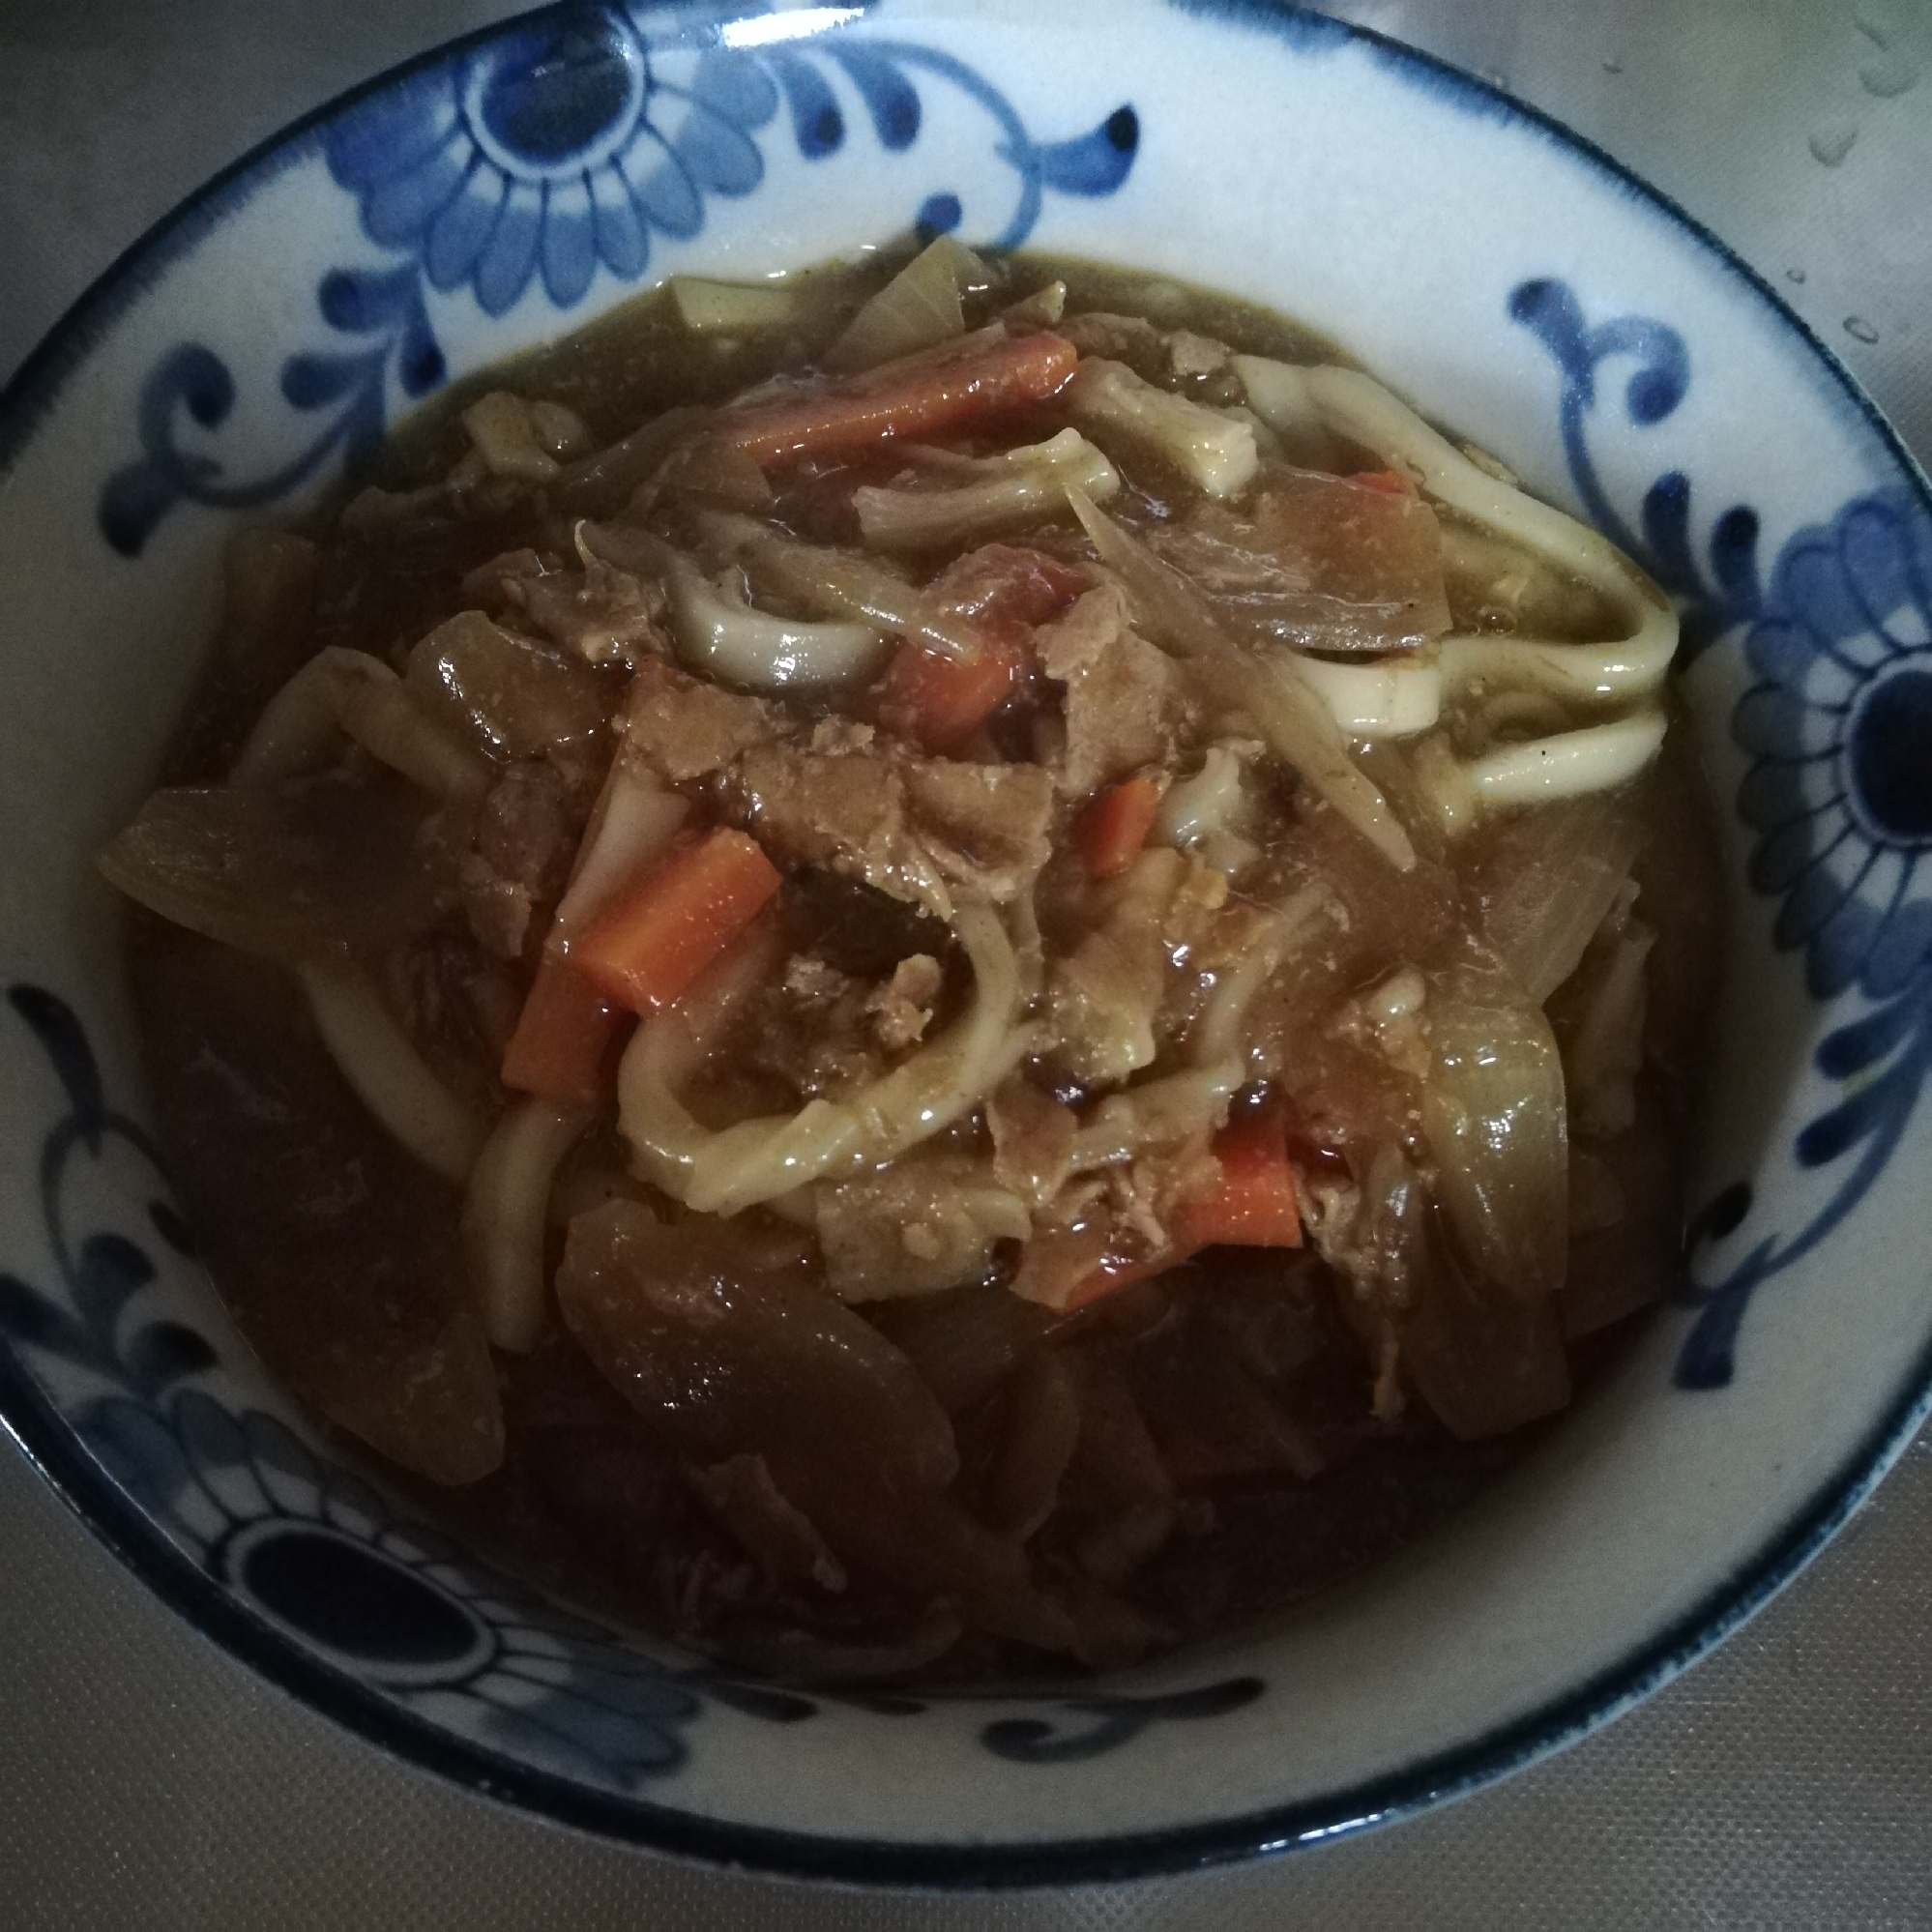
749,1506
835,796
488,584
1120,338
843,812
1125,705
983,826
1032,1140
813,983
901,1009
498,909
601,612
526,831
686,729
525,837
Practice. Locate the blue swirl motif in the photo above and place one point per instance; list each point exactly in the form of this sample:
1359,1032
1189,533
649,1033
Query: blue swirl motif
315,1551
1840,790
559,146
310,1547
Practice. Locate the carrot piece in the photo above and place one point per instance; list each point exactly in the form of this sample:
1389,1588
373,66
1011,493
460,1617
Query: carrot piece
1254,1204
1386,483
914,397
997,593
939,701
563,1036
1115,824
660,933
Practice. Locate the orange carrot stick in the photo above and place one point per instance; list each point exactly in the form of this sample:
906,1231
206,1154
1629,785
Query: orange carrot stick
563,1036
915,397
664,931
939,701
1115,824
1254,1204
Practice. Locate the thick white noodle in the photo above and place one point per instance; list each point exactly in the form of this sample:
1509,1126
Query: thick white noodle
1157,1113
1212,800
341,694
505,1217
1214,452
732,641
1568,764
1623,671
758,1161
1394,698
1015,487
392,1079
1221,1033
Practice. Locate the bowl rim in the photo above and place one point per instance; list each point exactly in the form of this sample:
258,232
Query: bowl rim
29,1418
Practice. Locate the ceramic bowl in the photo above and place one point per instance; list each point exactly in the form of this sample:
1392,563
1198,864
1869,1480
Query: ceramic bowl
1510,281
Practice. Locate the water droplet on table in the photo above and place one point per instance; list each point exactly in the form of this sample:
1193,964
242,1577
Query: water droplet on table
1860,330
1874,19
1832,141
1613,67
1793,275
1889,74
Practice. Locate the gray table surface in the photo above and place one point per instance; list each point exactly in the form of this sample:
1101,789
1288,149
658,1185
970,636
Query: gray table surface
147,1780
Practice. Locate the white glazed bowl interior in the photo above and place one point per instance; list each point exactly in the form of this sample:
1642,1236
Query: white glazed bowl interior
1504,278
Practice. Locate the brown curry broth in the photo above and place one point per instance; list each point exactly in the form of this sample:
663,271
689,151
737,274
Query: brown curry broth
585,1500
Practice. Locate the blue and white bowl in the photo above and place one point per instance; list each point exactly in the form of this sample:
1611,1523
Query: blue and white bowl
1509,280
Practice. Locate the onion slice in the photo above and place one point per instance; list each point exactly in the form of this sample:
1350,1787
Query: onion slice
1288,714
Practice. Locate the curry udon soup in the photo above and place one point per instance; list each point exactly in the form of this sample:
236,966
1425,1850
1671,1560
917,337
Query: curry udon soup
930,973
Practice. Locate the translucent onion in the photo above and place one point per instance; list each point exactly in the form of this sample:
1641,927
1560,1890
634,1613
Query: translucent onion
341,694
1493,1115
1167,1112
505,1217
1546,880
1294,722
918,309
1221,1032
832,583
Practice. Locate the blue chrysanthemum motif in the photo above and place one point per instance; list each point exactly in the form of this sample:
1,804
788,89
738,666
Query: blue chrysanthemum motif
315,1552
1840,793
1840,790
548,151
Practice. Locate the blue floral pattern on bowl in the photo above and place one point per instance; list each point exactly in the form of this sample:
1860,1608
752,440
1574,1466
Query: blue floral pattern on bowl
547,152
1840,793
585,147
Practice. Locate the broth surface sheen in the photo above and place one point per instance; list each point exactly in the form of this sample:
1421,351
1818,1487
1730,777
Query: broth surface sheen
954,968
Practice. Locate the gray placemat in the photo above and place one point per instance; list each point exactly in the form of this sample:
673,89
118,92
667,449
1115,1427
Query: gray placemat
146,1780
